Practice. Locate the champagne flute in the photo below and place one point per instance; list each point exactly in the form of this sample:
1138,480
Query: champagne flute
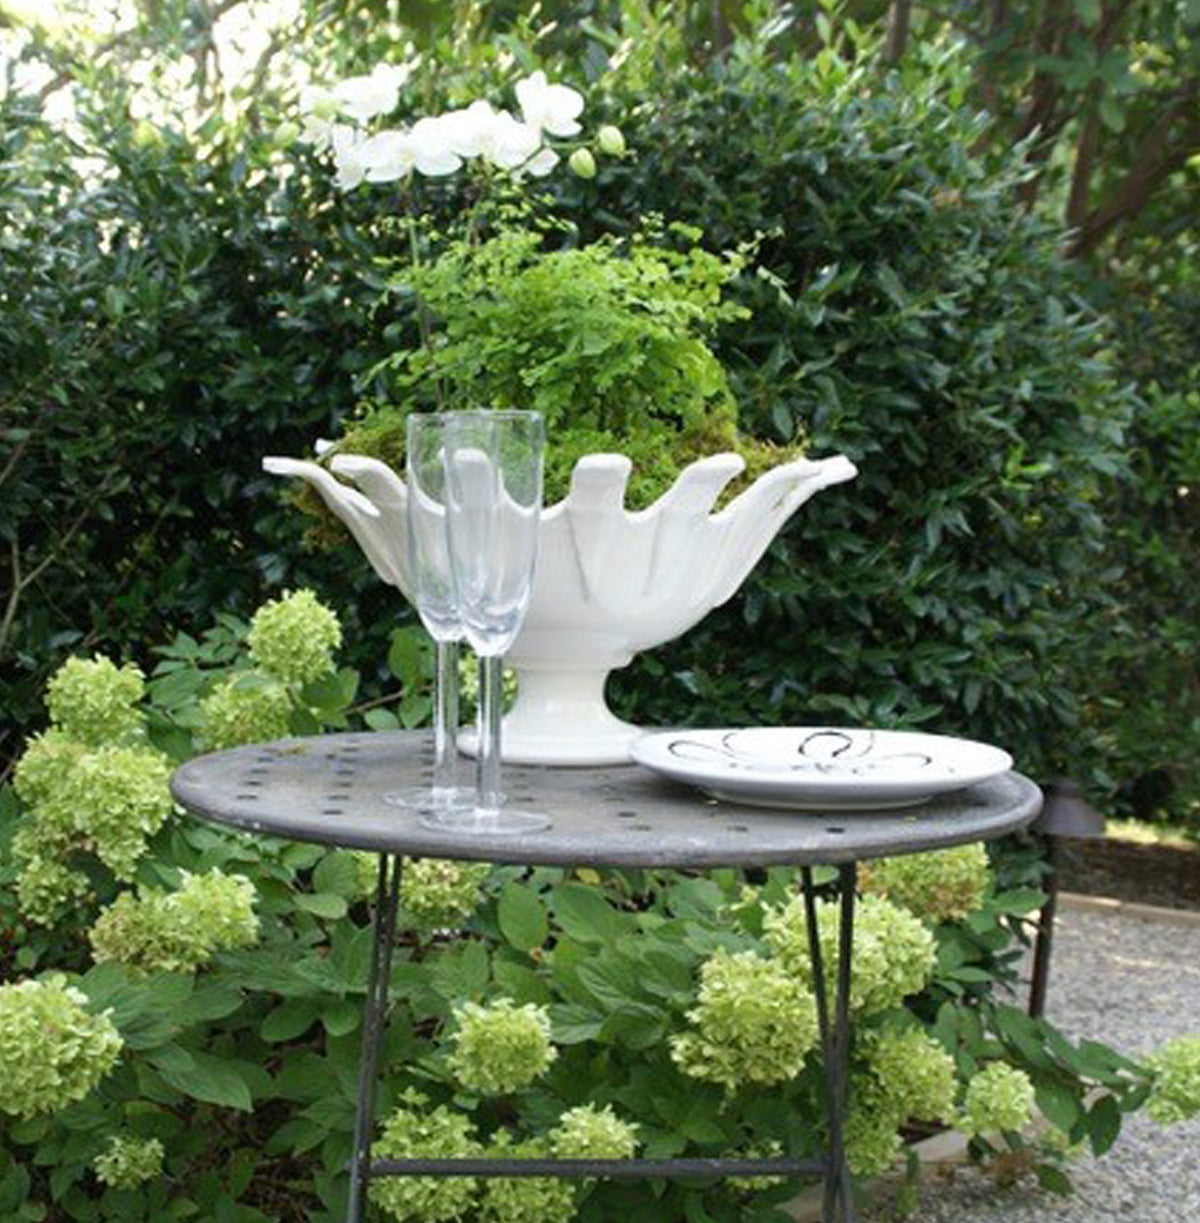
494,504
434,598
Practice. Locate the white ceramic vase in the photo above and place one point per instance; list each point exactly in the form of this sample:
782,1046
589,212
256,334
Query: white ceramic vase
609,581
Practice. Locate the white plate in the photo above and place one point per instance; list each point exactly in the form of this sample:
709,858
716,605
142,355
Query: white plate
807,768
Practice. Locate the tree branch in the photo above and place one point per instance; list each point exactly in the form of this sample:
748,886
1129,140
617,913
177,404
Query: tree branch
1085,158
132,35
1167,147
899,20
22,581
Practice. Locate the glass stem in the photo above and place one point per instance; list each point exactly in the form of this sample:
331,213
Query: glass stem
487,760
445,718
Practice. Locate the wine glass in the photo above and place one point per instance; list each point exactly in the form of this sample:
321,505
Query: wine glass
433,596
494,502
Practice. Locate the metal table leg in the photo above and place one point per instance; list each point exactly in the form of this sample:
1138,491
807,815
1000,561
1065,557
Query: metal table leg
835,1038
374,1022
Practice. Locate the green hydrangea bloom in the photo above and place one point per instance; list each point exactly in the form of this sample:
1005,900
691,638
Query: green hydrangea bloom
46,888
293,638
120,797
872,1138
367,873
129,1161
894,953
47,760
109,802
438,894
52,1050
944,885
532,1199
468,685
1176,1093
588,1132
94,701
413,1131
501,1047
754,1022
999,1097
906,1075
219,906
178,931
771,1149
242,710
915,1076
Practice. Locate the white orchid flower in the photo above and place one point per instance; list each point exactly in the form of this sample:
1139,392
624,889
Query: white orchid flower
320,110
549,108
508,143
465,131
319,101
435,154
348,156
541,163
317,131
394,154
481,131
388,156
365,97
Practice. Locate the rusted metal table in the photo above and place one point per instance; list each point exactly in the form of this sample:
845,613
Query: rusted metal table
330,788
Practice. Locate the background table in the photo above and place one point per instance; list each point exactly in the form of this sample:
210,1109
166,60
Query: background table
329,789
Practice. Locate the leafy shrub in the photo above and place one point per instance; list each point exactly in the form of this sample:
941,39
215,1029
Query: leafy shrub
200,1023
165,329
904,313
1148,707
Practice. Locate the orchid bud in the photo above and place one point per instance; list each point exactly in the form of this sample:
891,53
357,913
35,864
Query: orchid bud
611,140
583,163
144,134
324,105
287,133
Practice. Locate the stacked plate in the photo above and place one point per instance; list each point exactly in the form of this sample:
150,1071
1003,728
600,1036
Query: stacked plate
799,768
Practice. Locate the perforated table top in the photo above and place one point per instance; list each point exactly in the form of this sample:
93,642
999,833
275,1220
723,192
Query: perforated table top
330,789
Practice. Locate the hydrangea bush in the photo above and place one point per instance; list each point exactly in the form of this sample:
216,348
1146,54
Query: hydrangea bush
199,1005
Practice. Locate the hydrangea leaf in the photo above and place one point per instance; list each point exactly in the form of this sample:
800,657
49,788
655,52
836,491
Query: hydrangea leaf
522,917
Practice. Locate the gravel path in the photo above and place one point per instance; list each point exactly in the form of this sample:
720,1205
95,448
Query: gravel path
1132,984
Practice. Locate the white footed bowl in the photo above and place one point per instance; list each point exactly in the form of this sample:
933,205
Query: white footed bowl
609,581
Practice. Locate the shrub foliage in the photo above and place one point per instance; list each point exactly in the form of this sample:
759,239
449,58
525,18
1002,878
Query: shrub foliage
187,1032
906,314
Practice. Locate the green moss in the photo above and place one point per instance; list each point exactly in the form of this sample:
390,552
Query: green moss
659,451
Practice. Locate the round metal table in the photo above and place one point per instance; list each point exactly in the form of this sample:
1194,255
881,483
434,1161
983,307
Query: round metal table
330,788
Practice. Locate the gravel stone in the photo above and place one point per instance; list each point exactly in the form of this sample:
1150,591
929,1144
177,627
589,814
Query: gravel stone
1132,984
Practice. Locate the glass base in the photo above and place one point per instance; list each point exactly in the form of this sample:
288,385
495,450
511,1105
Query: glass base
426,798
476,821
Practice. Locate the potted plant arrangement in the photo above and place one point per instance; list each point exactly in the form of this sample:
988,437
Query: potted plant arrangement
657,506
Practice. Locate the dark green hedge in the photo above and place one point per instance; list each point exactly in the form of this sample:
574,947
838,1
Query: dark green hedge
160,330
197,311
1147,654
908,315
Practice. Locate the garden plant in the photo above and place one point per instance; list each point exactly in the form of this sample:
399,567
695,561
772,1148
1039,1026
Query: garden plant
179,1023
906,308
179,1004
